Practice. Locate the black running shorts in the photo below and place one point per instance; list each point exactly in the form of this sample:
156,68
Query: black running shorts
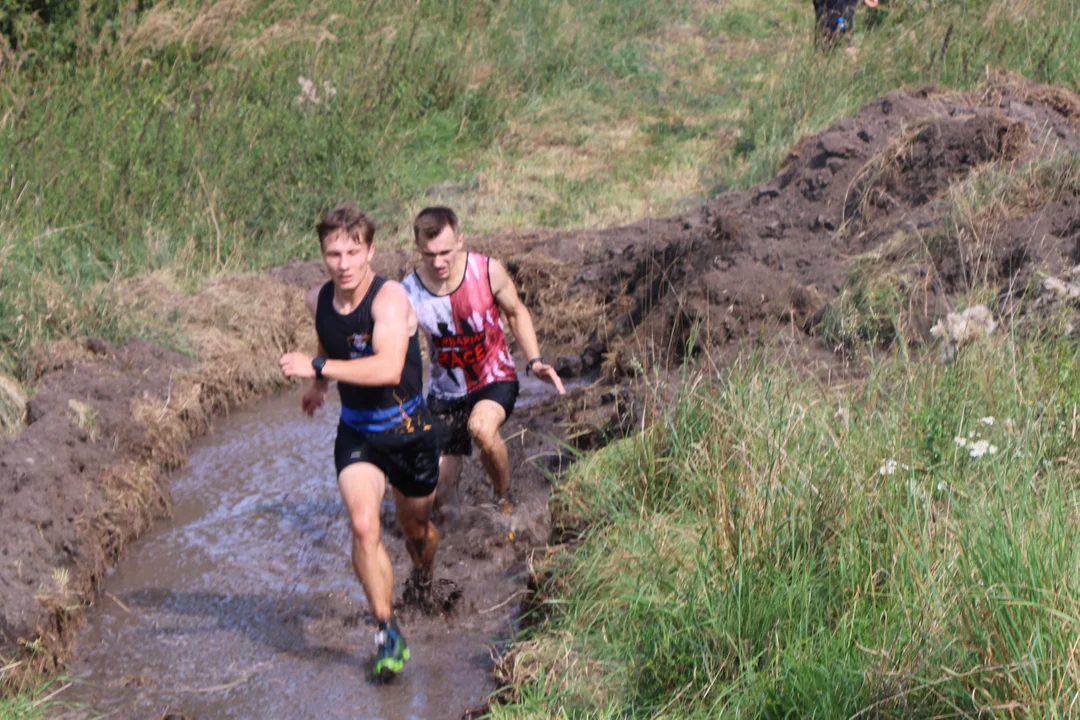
452,416
410,461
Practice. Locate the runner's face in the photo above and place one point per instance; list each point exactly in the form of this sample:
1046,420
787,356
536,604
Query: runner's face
440,253
346,259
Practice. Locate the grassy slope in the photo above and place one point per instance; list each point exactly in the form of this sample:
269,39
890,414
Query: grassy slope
773,548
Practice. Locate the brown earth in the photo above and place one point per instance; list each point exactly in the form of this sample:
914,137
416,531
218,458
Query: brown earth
761,267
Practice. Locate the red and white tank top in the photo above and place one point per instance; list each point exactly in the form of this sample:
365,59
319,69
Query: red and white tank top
468,347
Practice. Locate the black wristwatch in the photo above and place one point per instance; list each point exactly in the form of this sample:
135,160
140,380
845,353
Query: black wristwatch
318,363
537,359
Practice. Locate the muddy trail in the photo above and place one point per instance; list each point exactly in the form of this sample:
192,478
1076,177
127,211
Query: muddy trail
243,604
784,266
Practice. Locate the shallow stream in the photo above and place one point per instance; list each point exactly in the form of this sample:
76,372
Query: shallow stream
244,604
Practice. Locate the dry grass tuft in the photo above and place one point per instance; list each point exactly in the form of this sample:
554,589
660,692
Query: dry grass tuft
566,314
873,186
83,415
1061,99
553,666
12,405
216,25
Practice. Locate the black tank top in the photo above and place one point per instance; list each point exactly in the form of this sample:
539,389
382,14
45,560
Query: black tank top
387,408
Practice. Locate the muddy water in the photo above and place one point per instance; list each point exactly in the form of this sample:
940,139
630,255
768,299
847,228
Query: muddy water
244,605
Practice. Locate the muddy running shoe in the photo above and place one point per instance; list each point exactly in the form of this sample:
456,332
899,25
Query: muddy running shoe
504,503
393,653
418,590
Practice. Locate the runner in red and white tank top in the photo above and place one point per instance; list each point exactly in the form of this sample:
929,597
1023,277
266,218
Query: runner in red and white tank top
460,298
468,347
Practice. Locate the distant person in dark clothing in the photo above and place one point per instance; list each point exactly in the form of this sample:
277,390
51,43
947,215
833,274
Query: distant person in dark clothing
836,18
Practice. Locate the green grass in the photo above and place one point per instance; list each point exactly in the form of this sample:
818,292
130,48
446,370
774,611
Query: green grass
774,549
30,705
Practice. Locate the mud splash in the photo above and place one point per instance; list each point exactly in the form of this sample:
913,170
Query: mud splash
244,603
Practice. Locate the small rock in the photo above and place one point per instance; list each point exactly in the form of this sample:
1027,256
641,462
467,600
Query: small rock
593,356
829,225
771,230
886,107
97,346
766,194
835,165
836,145
568,366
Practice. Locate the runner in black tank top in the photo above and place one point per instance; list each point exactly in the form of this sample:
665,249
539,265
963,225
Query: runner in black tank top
392,410
368,343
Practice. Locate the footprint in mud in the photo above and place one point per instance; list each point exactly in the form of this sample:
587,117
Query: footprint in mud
430,597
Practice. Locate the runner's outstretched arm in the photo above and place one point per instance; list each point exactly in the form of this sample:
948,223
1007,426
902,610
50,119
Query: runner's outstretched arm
393,319
315,396
521,323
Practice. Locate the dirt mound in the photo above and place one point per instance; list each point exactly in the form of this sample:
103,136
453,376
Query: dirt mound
769,264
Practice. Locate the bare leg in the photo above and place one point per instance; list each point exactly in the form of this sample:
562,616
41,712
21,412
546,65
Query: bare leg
362,487
421,537
449,475
484,423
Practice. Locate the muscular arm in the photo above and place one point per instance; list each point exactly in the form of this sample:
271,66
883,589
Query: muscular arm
394,324
520,320
517,315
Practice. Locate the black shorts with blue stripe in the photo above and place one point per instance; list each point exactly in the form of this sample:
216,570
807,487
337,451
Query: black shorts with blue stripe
400,441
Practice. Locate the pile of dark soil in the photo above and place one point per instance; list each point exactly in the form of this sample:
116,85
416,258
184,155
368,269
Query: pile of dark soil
758,267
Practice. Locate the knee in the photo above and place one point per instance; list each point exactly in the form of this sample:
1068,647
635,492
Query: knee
484,433
365,528
416,529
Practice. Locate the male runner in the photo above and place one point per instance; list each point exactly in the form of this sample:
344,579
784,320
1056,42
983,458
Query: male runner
458,297
368,342
834,18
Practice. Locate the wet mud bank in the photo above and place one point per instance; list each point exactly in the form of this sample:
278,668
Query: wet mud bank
770,267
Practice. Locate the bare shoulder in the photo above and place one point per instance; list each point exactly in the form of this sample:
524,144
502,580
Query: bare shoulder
392,304
498,276
392,298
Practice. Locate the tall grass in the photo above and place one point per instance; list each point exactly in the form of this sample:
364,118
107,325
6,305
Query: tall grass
774,548
176,137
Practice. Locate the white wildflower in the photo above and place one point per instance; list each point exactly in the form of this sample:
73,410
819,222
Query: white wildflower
982,447
971,434
961,441
889,468
988,420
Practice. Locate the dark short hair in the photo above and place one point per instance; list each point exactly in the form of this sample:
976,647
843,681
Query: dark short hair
349,218
433,220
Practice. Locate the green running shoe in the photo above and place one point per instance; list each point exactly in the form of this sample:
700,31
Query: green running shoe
393,653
